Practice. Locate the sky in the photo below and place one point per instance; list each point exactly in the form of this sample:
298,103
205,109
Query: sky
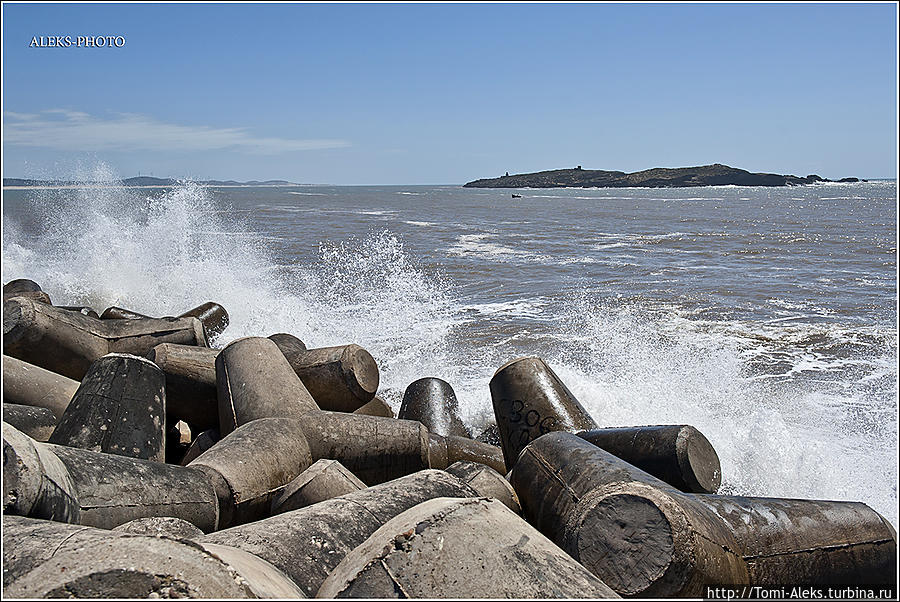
447,93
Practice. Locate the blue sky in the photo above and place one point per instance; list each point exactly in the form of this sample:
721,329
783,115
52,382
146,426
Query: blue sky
446,93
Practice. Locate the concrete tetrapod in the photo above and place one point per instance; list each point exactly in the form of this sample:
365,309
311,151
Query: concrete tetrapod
324,480
190,383
28,289
53,560
29,385
212,315
487,482
251,466
375,449
340,379
460,548
530,400
306,544
643,537
68,343
74,485
254,380
37,423
119,408
376,407
678,454
432,402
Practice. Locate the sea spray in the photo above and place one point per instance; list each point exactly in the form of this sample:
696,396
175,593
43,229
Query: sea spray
783,422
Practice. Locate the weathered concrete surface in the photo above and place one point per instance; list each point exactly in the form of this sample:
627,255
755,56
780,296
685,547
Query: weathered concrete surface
340,379
375,449
37,423
81,309
120,313
376,407
35,482
445,451
112,490
212,315
67,342
678,454
254,380
159,526
106,564
190,383
288,343
433,402
30,385
460,548
120,408
487,482
28,289
307,544
250,466
324,480
530,400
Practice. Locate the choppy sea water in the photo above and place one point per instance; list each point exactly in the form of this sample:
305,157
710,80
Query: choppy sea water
765,317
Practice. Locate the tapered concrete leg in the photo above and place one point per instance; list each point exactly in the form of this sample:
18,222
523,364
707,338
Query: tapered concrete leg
200,444
119,408
460,548
120,313
529,401
37,423
288,343
212,315
255,381
324,480
30,385
136,566
340,379
487,482
307,544
447,450
190,383
432,402
252,465
376,407
28,289
678,454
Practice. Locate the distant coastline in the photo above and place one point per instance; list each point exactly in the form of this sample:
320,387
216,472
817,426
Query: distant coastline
136,182
660,177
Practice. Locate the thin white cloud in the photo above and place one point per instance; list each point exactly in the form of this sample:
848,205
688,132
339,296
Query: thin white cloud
62,129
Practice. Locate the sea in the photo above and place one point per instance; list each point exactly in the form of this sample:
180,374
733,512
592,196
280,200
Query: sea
764,317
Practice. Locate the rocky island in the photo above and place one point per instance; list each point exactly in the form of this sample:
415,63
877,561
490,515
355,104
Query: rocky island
660,177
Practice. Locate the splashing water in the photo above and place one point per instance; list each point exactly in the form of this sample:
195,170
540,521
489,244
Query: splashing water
166,253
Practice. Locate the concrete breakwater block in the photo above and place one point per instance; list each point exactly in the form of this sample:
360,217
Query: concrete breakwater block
28,289
68,484
288,343
159,526
250,466
190,373
678,454
67,342
30,385
643,537
307,544
212,315
374,449
119,409
460,548
433,402
37,423
52,560
530,400
445,451
487,482
340,379
254,380
376,407
200,444
324,480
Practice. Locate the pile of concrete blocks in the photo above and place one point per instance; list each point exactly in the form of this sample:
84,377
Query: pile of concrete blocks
140,462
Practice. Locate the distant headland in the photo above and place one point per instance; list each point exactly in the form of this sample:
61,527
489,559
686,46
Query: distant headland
136,182
660,177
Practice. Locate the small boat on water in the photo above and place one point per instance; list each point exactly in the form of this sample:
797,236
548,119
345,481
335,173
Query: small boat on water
517,196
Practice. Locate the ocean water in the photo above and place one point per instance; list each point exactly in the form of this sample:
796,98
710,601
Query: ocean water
765,317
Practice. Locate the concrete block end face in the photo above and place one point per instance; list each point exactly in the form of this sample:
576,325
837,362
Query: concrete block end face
18,313
22,472
263,578
133,567
459,548
360,372
698,461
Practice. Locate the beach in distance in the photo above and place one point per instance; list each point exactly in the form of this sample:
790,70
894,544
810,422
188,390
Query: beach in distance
763,316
